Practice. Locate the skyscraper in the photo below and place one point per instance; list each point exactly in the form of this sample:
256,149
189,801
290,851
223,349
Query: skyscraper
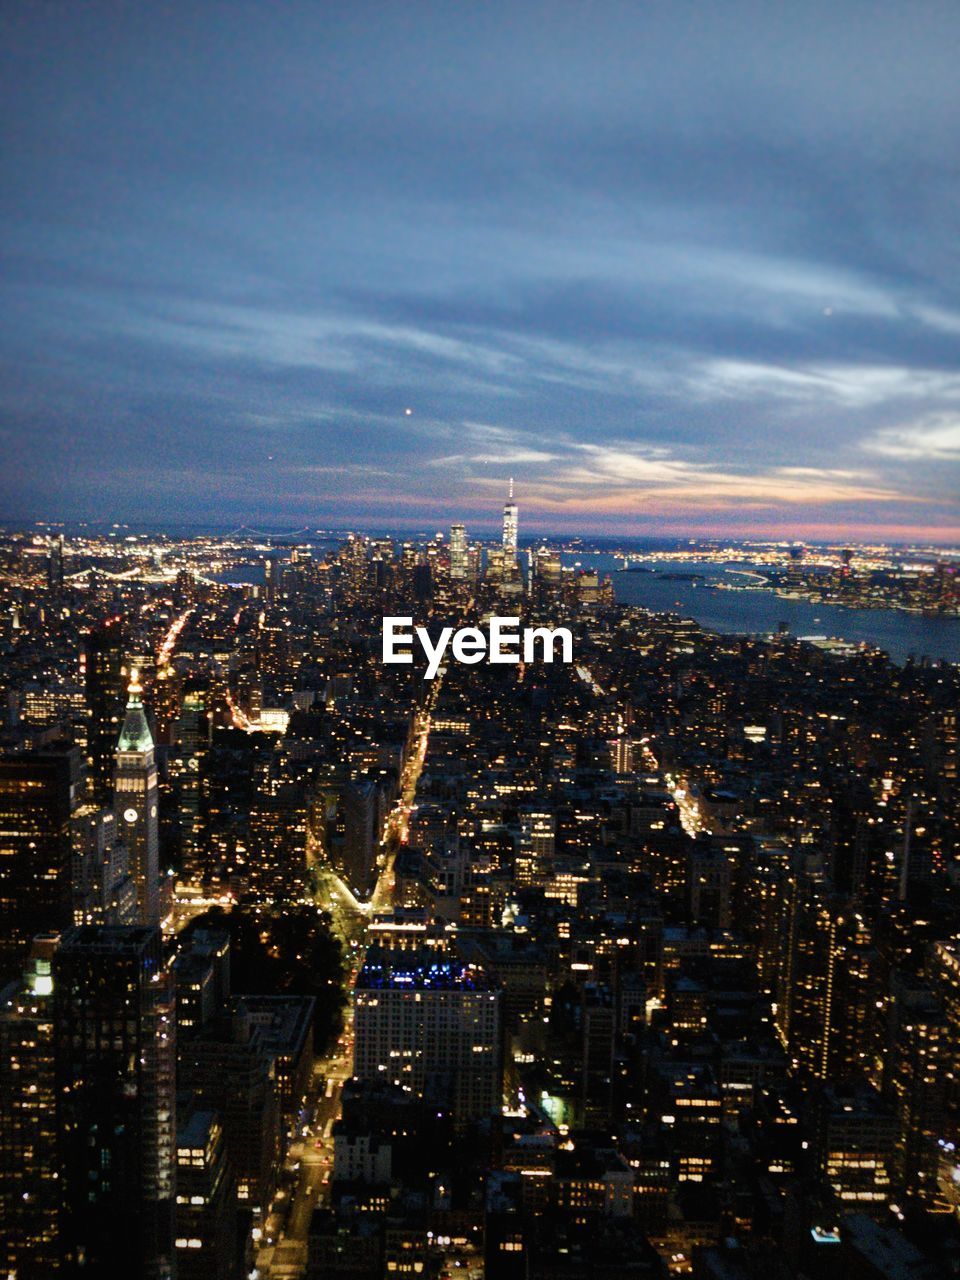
114,1045
135,804
206,1216
458,552
103,891
510,526
39,794
29,1181
55,564
794,577
102,662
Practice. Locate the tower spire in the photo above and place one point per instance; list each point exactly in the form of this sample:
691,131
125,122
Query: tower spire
135,734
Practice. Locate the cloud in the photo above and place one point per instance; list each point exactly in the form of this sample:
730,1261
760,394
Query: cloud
836,385
935,440
630,477
651,267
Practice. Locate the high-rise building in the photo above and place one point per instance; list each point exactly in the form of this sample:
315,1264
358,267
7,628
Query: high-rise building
549,567
114,1044
229,1067
855,1140
206,1213
795,567
29,1182
191,740
510,526
355,839
102,889
538,837
135,804
919,1077
458,552
39,794
826,980
103,672
165,701
55,564
430,1023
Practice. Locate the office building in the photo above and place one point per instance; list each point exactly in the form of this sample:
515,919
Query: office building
114,1045
458,552
39,793
102,661
135,804
29,1182
426,1021
205,1235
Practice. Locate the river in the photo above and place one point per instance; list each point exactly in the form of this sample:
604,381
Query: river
898,633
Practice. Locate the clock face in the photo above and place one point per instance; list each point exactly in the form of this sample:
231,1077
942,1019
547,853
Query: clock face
130,815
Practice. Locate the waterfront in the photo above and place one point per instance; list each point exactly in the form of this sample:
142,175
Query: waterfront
758,611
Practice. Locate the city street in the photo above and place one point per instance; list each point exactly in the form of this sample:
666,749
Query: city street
308,1167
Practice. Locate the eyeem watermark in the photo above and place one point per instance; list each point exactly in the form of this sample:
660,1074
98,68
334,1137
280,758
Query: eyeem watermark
503,641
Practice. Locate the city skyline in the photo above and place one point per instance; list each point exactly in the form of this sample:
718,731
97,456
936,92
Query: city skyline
323,960
359,267
480,641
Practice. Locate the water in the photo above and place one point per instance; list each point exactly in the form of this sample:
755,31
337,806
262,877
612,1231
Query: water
897,633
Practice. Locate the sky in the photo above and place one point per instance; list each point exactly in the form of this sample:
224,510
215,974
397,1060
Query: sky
676,267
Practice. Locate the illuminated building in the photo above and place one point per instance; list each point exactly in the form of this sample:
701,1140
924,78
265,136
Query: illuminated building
503,566
191,737
594,1181
103,890
588,587
229,1069
114,1037
55,564
56,705
826,980
534,857
165,700
505,1230
709,882
103,669
205,1232
943,968
276,856
28,1132
283,1026
135,804
598,1028
510,528
919,1076
692,1113
355,840
856,1135
273,647
39,794
424,1018
794,575
202,976
548,567
458,552
621,753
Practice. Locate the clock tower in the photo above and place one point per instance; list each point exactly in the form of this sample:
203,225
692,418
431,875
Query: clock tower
135,804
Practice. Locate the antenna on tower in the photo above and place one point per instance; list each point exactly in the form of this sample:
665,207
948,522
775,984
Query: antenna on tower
511,488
